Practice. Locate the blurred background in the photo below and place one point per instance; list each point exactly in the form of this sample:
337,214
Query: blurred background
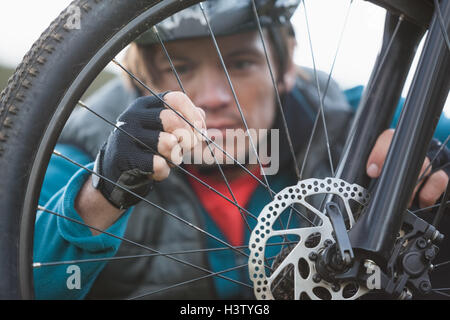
21,24
22,21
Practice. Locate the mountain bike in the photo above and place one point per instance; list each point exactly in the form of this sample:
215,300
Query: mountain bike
361,228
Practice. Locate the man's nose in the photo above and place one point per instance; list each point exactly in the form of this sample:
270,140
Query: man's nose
213,91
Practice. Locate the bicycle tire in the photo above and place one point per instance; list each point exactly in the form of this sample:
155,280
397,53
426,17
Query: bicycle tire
32,116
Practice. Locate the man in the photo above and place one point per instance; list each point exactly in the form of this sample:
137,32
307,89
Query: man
152,172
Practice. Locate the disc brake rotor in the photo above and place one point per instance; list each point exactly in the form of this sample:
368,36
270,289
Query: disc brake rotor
297,262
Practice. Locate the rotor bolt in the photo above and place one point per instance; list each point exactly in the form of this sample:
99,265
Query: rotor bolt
312,256
425,286
335,287
328,242
317,278
421,243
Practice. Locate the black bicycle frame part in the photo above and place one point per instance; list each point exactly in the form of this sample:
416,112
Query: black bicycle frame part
380,98
375,231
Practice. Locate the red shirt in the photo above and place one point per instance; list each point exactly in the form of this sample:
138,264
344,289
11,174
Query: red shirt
223,212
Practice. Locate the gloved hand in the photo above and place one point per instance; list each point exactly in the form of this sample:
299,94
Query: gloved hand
163,137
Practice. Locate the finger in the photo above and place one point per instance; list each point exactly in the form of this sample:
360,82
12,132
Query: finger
161,168
433,189
378,155
172,123
146,139
169,148
181,103
425,164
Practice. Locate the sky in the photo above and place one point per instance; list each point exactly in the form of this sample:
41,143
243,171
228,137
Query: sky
22,22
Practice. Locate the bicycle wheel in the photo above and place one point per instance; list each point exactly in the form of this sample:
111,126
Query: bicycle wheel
40,98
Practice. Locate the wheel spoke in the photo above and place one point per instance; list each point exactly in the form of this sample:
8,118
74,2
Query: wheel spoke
151,255
426,172
283,277
181,168
428,208
441,210
322,98
236,100
152,204
207,139
207,144
40,208
439,265
264,184
319,95
237,103
155,30
168,160
277,94
146,294
441,293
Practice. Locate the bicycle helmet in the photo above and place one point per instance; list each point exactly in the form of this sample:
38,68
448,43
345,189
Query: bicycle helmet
226,17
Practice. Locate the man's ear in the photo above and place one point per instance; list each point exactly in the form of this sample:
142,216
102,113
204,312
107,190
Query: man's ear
287,82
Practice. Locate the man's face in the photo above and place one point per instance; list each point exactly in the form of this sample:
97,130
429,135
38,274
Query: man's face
205,81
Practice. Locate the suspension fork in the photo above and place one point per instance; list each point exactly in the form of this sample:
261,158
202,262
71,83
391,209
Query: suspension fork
376,230
380,98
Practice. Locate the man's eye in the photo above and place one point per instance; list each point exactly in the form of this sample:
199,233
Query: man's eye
241,64
182,68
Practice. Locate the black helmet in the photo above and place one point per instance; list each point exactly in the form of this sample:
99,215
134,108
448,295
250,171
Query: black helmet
225,16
